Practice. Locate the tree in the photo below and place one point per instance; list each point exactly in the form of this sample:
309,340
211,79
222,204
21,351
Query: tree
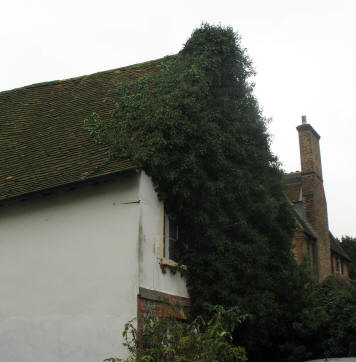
349,245
329,320
196,128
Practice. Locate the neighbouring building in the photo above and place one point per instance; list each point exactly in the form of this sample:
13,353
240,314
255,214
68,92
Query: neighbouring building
305,190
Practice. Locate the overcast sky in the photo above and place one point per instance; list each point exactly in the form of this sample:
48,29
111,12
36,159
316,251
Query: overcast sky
304,52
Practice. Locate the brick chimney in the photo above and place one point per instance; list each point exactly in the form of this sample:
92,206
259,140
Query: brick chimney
309,149
313,193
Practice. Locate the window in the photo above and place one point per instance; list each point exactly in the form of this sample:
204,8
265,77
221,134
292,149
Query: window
339,268
312,253
167,247
170,237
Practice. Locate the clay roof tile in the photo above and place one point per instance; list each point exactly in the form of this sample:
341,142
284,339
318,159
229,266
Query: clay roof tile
42,140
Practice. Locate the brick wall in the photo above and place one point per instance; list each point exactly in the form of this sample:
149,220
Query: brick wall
304,247
160,304
344,272
314,195
299,247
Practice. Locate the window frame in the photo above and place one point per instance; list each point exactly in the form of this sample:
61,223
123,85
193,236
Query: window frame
163,247
339,266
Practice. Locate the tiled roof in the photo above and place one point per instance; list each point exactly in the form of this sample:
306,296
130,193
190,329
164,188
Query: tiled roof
298,209
292,185
42,141
336,247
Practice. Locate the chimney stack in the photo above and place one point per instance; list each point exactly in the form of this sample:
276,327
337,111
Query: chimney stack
313,193
309,149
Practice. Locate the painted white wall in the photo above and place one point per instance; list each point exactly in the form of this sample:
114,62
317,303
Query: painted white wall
151,239
69,273
71,264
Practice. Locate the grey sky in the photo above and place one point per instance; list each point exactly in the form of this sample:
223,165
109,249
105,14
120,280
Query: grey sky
304,52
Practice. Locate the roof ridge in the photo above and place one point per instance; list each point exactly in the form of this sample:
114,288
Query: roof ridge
292,173
336,246
59,81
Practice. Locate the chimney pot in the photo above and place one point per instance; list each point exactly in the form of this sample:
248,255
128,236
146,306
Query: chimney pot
304,119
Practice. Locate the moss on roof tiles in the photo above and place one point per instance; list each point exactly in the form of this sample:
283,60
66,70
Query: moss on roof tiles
42,140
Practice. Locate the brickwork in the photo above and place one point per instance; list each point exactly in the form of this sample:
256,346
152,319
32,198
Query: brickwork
309,150
300,246
160,304
314,196
341,270
305,247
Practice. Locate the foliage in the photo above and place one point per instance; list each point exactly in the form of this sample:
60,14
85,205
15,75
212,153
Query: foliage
325,324
195,127
323,327
169,339
329,321
349,245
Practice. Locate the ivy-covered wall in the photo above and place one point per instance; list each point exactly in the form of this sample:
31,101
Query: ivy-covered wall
196,128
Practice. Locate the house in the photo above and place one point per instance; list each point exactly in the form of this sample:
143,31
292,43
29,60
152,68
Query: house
305,191
84,242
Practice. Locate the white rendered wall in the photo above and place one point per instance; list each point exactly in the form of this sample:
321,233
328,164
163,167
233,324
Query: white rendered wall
69,273
151,239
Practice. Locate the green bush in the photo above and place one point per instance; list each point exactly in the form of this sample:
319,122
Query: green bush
169,339
333,311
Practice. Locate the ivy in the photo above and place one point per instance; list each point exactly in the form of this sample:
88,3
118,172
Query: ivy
196,128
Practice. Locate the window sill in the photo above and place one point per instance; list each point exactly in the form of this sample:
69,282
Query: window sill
169,263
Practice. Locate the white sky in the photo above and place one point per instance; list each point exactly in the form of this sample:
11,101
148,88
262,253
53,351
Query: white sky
304,52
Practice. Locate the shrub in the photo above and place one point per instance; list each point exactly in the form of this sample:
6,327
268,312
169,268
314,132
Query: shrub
166,338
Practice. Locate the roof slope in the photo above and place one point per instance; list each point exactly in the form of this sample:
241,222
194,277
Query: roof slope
336,247
42,140
292,183
298,209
